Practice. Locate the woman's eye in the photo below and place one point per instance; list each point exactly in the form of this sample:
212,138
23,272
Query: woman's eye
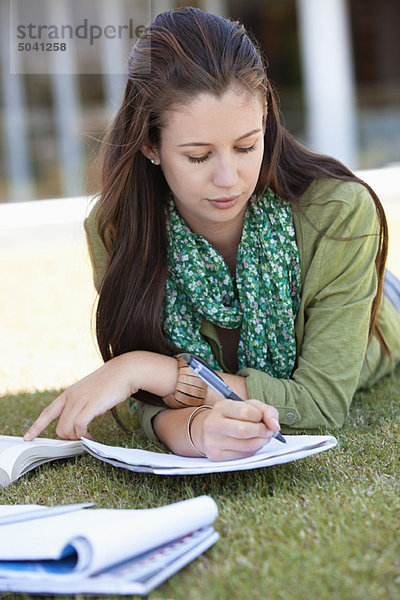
248,149
199,159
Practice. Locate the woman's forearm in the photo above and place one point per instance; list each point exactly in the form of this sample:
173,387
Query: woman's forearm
108,386
158,374
154,373
118,379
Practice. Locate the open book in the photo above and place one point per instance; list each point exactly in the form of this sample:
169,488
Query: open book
18,457
102,551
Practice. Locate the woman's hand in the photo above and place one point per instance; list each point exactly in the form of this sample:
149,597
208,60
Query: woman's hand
225,431
90,397
110,385
234,429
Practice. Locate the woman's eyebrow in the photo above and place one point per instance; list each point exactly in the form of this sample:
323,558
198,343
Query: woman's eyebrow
242,137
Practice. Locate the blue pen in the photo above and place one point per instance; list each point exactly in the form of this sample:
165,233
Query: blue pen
212,379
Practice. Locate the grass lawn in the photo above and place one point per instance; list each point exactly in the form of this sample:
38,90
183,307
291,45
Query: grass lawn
324,527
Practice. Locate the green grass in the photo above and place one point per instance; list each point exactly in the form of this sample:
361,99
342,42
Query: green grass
324,527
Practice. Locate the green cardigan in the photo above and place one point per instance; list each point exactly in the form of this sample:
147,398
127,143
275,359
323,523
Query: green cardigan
339,282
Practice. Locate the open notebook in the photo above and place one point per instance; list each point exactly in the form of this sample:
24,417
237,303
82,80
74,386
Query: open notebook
102,551
274,453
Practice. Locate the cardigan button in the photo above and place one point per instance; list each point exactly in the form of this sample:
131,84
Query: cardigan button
290,416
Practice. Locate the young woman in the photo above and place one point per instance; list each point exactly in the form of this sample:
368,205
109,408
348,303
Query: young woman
217,233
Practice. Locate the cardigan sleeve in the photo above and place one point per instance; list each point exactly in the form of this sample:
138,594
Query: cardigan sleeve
339,284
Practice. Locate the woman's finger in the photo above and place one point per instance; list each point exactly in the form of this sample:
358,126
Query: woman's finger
242,411
81,424
71,427
270,415
78,413
48,415
236,449
237,428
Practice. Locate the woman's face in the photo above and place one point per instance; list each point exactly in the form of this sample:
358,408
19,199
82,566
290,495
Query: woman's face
210,153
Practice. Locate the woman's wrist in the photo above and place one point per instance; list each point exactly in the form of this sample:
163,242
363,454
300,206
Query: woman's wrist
190,389
171,428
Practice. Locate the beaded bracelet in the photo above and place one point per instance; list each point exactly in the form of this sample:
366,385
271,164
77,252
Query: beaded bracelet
190,421
190,389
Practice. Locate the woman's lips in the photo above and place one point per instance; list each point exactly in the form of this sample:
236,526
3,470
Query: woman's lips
223,202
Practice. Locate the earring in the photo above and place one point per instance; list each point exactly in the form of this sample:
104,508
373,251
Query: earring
153,162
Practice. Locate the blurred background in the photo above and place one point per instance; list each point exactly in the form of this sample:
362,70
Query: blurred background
334,63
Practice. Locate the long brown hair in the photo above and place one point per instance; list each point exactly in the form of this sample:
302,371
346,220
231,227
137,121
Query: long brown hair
181,54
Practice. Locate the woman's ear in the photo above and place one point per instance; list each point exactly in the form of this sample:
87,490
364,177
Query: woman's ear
151,153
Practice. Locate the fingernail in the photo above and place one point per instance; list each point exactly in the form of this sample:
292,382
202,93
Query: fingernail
276,422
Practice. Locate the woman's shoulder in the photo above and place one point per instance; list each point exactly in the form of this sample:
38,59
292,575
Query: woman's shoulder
332,203
91,218
332,210
329,190
97,250
92,234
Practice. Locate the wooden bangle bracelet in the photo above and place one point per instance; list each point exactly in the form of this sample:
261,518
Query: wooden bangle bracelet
190,389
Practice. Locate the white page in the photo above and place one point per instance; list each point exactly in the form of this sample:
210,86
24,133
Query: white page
104,536
7,441
26,512
33,453
297,446
10,449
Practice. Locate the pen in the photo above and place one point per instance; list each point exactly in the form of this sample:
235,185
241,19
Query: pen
49,511
212,379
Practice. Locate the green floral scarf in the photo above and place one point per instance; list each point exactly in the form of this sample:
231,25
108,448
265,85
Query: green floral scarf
262,300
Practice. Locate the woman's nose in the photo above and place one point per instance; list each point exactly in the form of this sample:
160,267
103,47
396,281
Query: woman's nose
225,173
